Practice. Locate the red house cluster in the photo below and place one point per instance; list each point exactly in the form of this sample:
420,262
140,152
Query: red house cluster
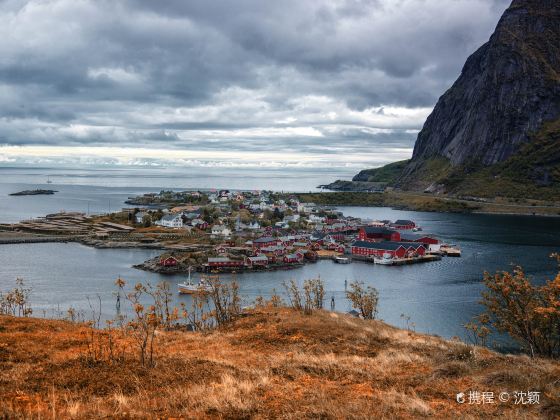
378,234
403,224
393,249
383,241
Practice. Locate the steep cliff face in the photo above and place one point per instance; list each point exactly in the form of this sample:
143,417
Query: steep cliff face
508,89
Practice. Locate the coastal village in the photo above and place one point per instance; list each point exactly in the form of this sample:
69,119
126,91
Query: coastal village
236,231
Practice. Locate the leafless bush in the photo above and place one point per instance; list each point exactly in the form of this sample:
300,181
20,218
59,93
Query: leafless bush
198,317
16,301
103,344
364,299
275,301
146,321
294,295
314,293
225,301
74,315
308,299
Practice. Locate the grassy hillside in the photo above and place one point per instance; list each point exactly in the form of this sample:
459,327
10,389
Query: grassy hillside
387,174
397,200
272,363
534,172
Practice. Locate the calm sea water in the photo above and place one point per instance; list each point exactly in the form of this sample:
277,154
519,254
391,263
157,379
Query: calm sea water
102,190
439,297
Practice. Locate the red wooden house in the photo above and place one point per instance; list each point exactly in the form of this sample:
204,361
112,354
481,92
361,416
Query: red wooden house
375,233
423,239
402,224
394,249
168,261
258,261
293,258
265,242
219,262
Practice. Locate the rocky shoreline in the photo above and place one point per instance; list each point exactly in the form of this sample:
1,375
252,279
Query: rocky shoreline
153,266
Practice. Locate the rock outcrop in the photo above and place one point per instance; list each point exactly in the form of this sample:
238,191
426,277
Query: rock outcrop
507,90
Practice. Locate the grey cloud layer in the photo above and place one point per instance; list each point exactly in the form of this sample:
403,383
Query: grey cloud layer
251,74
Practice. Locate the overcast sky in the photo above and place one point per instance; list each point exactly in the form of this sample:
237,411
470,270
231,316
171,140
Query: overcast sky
340,82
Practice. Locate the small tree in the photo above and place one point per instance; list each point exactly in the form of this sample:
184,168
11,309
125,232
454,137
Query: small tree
225,299
294,295
308,299
363,299
146,321
529,314
314,292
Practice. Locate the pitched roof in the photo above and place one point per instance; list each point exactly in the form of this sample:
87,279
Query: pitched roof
264,239
403,222
413,236
258,258
414,245
379,230
170,217
389,246
218,259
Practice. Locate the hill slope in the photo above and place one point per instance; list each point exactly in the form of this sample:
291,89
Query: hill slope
271,363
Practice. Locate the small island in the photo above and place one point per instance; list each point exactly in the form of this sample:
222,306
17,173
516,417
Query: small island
35,192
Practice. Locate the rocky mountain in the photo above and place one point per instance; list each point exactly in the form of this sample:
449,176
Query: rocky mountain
508,91
503,112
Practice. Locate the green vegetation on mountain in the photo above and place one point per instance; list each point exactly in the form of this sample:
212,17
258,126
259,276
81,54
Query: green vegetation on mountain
387,174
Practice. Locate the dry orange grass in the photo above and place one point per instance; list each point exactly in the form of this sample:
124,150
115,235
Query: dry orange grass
272,363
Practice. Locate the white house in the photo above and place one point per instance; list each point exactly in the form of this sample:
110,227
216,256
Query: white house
305,207
254,225
140,216
171,220
291,218
316,219
221,230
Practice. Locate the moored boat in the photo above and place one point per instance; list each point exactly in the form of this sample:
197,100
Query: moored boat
341,260
386,259
188,288
191,289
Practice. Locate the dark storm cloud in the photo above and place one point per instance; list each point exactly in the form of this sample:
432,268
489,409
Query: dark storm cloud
250,75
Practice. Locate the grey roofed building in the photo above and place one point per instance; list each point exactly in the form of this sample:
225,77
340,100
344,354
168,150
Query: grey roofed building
264,240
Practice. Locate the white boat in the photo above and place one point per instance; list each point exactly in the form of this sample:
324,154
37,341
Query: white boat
192,289
386,259
189,288
341,260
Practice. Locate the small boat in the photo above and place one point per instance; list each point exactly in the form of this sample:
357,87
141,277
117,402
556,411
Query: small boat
189,288
341,260
49,180
192,289
417,229
386,259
